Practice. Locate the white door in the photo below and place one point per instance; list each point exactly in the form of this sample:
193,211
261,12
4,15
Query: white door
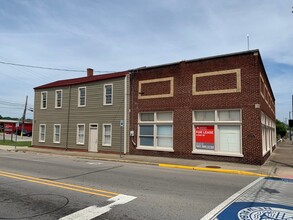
93,138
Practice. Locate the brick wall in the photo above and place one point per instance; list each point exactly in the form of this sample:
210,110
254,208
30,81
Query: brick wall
183,102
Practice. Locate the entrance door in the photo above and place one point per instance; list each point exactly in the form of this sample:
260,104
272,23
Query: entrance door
93,138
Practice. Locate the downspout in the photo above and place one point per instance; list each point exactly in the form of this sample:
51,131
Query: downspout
125,113
132,81
68,117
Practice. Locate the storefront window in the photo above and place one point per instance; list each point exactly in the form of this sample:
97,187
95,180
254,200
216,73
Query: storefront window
156,131
217,132
229,138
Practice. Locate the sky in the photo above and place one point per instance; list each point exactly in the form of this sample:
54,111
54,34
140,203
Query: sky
116,35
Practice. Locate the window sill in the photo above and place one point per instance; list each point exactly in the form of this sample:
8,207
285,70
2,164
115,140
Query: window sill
42,141
264,153
106,145
81,106
217,153
79,143
155,148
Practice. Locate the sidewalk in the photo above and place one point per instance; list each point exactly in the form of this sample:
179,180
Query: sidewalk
280,163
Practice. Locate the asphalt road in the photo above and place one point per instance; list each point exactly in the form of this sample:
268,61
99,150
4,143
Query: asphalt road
39,186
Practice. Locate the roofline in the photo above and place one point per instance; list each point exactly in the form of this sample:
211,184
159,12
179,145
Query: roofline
15,121
197,59
209,58
93,78
266,75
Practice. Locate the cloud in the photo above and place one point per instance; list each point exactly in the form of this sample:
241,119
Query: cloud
114,35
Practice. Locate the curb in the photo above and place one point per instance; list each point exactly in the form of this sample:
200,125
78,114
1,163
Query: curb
214,170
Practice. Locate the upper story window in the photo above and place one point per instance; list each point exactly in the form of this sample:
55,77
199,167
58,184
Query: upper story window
81,96
108,94
44,100
58,98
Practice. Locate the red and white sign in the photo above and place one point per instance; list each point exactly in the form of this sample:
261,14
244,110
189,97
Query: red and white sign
205,137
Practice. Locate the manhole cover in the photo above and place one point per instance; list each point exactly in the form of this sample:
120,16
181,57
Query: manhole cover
215,167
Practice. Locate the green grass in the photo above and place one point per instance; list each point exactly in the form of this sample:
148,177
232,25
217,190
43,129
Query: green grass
13,143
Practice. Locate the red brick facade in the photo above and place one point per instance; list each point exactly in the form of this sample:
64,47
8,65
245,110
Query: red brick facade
221,90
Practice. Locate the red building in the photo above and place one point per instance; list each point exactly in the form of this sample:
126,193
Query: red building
215,108
11,126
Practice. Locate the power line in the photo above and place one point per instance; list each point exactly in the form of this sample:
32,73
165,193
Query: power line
41,67
7,103
49,68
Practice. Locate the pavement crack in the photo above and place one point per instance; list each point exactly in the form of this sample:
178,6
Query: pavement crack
83,174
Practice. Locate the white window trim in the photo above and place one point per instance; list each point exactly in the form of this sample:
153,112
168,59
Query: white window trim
79,105
165,149
216,123
270,134
40,140
103,139
104,97
77,134
44,92
155,123
54,134
56,92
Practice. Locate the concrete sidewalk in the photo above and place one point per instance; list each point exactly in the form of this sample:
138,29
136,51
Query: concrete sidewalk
280,163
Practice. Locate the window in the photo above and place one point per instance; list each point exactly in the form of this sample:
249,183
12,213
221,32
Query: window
204,115
42,133
156,131
81,96
57,133
108,94
58,98
43,100
229,115
217,132
107,134
80,134
229,136
268,133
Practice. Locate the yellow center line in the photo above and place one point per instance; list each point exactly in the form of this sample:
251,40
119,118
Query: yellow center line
72,187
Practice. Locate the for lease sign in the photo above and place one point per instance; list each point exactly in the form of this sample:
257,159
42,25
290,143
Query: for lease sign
205,137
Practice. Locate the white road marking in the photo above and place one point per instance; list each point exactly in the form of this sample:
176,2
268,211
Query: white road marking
228,201
95,211
94,163
23,158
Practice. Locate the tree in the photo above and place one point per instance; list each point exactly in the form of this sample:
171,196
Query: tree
281,128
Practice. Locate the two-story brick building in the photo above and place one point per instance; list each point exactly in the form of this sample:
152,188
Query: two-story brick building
83,113
215,108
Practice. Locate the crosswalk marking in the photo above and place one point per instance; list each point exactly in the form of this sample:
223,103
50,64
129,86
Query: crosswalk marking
265,198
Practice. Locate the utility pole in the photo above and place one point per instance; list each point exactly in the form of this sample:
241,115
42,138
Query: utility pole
289,125
23,116
292,115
